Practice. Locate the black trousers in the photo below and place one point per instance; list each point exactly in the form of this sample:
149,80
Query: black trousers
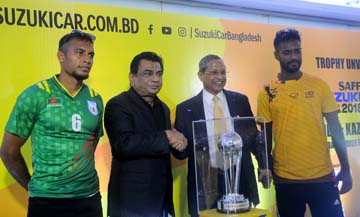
323,199
69,207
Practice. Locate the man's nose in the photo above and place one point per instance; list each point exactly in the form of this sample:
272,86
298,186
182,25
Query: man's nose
155,77
88,59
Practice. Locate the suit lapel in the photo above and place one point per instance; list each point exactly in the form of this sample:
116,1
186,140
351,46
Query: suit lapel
232,104
198,107
199,114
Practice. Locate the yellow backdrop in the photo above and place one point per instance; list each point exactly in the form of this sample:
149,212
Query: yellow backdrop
30,31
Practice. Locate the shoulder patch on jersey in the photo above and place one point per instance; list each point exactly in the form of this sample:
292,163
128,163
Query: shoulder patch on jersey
93,107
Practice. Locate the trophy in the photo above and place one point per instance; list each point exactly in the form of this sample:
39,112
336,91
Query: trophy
230,147
219,162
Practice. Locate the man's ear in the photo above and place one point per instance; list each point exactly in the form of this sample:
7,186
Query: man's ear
61,56
276,55
200,76
131,79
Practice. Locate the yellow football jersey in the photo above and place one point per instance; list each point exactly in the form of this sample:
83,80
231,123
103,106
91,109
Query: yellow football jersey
296,108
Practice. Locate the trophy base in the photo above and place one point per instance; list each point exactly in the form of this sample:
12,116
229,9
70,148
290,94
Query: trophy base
233,203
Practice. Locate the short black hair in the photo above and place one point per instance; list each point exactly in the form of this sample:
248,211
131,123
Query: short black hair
83,36
147,55
286,35
205,60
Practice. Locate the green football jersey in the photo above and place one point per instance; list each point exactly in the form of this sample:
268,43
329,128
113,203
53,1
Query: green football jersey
64,132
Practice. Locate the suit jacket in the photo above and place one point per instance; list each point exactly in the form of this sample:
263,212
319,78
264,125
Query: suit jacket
193,110
140,179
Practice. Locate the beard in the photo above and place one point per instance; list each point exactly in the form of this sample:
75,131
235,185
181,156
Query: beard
80,77
287,66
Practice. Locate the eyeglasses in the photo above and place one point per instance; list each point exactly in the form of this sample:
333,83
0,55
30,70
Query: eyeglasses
215,73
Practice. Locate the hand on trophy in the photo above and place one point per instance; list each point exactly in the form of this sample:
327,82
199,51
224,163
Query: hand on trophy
176,139
263,175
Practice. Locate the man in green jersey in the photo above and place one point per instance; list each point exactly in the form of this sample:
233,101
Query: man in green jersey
64,118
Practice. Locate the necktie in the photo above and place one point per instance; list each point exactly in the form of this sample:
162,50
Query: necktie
219,129
219,126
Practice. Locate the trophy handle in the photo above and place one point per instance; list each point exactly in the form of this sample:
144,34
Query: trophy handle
231,155
226,178
238,173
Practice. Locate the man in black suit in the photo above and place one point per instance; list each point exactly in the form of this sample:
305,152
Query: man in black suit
138,126
212,73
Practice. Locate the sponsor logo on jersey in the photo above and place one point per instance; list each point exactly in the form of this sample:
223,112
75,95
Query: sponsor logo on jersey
54,102
294,95
309,94
92,107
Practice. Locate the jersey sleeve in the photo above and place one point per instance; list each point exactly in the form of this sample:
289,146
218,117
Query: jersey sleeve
328,103
24,114
263,108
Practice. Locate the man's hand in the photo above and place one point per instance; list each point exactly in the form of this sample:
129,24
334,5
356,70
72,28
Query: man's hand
10,154
346,178
263,175
176,139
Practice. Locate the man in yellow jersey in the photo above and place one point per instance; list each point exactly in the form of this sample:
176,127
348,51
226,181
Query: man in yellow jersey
294,106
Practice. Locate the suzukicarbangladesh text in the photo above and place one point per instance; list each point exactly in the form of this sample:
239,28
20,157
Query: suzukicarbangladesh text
227,35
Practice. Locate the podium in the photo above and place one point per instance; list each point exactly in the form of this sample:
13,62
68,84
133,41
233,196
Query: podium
225,177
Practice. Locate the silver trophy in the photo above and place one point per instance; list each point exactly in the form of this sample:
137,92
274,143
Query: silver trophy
230,146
